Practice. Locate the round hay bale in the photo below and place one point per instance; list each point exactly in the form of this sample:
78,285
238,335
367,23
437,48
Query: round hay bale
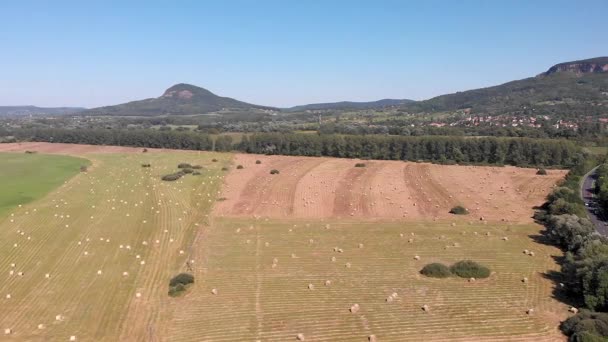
138,295
530,311
354,308
327,282
333,259
59,317
425,308
524,280
47,275
389,299
416,257
300,337
40,326
372,338
214,291
360,245
471,280
311,287
72,338
347,265
8,296
573,310
8,331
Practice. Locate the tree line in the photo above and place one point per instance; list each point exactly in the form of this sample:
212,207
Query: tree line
437,149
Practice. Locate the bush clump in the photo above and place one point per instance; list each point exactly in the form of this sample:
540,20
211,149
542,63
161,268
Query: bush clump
173,176
144,150
541,172
84,168
30,152
224,169
214,160
184,166
187,170
179,283
258,162
360,165
586,326
196,173
436,270
459,210
196,167
146,165
470,269
274,172
239,167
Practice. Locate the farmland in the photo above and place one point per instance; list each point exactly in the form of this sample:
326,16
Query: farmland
111,238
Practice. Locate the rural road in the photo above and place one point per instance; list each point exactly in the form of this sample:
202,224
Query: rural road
588,196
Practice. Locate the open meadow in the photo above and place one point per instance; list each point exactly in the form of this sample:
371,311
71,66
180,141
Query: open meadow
275,256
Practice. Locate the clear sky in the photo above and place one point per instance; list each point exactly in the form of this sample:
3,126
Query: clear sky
284,52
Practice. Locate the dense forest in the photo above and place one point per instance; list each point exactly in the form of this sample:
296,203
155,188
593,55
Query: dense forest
438,149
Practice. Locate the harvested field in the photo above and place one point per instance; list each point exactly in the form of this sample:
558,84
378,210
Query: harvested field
333,188
70,149
264,291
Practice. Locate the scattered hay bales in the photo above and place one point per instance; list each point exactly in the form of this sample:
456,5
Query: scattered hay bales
470,269
274,172
459,210
436,270
416,257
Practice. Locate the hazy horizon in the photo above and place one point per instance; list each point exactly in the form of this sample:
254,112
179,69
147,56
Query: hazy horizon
280,53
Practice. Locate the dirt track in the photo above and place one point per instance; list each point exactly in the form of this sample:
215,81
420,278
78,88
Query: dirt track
334,188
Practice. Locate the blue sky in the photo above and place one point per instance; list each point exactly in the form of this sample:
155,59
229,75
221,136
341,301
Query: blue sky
283,53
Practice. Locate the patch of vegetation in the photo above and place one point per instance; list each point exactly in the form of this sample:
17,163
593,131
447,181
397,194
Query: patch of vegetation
274,172
258,162
144,150
586,326
239,167
30,152
541,172
196,173
214,160
179,284
436,270
470,269
224,168
184,166
196,167
173,176
146,165
221,199
459,210
84,168
360,165
187,170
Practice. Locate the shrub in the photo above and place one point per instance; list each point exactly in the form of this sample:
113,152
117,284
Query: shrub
30,152
470,269
176,290
258,162
196,173
84,168
541,172
145,150
224,169
436,270
173,176
182,278
221,199
586,326
197,167
239,167
214,160
184,166
146,165
274,172
360,165
187,170
459,210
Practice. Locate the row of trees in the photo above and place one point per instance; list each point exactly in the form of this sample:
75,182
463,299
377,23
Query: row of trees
585,266
438,149
489,150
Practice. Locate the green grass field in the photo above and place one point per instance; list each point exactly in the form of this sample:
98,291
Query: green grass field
27,177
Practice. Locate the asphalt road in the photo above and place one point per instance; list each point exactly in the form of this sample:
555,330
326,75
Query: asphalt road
588,195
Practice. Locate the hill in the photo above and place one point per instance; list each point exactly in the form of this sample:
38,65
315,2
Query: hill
576,88
180,99
350,105
33,110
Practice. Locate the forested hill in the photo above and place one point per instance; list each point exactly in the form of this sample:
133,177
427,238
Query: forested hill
180,99
345,105
574,88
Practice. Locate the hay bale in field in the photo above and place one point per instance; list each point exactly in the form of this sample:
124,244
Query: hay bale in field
425,308
21,274
340,250
214,291
11,272
347,265
354,308
181,252
8,331
530,311
333,259
416,257
573,310
389,299
505,238
138,295
40,326
300,337
72,338
8,296
99,272
124,274
394,295
13,265
327,282
59,317
531,253
524,280
526,251
372,338
311,287
471,280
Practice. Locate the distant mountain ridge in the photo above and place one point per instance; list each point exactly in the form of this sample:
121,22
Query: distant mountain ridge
180,99
33,110
350,105
586,66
